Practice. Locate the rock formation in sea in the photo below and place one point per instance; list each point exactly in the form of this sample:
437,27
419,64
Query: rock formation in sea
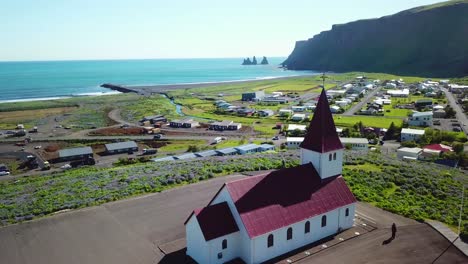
247,62
264,61
254,61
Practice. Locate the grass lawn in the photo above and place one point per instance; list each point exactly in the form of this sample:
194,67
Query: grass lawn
389,111
148,106
373,121
9,120
179,145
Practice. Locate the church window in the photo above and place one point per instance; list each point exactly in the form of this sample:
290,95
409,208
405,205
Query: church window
347,212
220,255
324,221
224,244
307,227
330,157
334,156
270,240
289,234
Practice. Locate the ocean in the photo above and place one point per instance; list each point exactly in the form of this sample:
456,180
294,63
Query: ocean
20,81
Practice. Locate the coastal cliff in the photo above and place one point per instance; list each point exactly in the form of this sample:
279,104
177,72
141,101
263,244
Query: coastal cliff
424,41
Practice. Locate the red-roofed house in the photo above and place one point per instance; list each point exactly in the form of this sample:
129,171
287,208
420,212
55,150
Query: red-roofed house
262,217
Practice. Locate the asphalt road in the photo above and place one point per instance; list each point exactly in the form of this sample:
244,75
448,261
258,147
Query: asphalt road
130,231
363,101
461,117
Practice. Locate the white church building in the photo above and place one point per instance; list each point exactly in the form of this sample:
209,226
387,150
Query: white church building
262,217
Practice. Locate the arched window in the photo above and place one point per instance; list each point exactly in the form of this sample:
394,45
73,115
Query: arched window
307,227
334,156
224,244
330,157
270,240
324,220
346,212
289,234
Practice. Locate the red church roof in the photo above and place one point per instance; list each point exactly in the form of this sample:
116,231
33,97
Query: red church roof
284,197
215,220
321,135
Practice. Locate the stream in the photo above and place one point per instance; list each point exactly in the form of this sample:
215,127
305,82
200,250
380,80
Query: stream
179,109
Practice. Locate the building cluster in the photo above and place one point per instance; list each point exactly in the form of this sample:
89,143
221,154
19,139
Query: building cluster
361,144
258,218
240,150
433,152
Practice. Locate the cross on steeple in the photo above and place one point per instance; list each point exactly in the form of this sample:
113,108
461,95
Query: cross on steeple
323,77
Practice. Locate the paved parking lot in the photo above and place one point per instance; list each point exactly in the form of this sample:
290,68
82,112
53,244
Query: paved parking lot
130,231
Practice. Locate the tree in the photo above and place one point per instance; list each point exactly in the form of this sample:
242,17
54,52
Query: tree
449,112
392,132
458,148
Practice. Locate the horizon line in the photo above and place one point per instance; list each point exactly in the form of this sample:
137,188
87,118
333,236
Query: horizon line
133,59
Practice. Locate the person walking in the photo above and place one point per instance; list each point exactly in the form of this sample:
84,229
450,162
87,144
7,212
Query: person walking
393,231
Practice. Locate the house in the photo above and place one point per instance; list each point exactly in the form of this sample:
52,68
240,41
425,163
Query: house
408,153
207,153
292,127
421,103
408,134
423,119
335,109
249,148
439,113
266,113
458,89
285,112
275,99
261,217
253,96
225,125
227,152
121,147
153,119
355,143
185,123
439,147
185,156
75,153
266,147
342,103
293,142
168,158
335,93
298,108
398,93
245,112
298,117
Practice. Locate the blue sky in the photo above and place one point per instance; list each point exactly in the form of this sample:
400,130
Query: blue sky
136,29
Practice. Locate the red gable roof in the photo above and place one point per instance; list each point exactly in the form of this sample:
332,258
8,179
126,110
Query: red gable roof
321,135
215,220
439,147
281,198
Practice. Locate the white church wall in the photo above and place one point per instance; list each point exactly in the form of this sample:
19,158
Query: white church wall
335,220
245,245
197,247
227,254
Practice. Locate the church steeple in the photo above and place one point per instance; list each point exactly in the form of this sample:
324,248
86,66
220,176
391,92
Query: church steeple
321,136
322,146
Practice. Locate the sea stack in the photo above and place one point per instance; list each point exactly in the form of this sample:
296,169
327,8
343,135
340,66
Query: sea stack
264,61
247,62
254,61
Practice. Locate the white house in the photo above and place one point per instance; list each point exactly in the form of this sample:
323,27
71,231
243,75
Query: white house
261,217
293,142
298,117
361,144
298,108
408,153
285,112
408,134
335,109
292,127
398,93
423,119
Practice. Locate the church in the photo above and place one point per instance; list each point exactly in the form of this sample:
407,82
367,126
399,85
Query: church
261,217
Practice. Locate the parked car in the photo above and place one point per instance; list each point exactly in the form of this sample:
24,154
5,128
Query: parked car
4,173
66,167
275,138
158,136
37,147
456,129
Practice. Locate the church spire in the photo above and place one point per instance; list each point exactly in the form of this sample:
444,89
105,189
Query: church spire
321,136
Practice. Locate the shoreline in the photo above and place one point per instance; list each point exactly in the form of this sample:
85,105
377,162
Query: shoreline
159,88
152,89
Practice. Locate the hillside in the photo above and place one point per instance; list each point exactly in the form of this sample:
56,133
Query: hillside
427,41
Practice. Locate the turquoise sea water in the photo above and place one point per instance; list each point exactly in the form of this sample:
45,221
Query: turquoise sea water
51,79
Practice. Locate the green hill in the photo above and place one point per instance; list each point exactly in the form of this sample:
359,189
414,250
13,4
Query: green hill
427,41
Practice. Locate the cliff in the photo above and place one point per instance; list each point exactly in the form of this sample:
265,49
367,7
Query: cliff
424,41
